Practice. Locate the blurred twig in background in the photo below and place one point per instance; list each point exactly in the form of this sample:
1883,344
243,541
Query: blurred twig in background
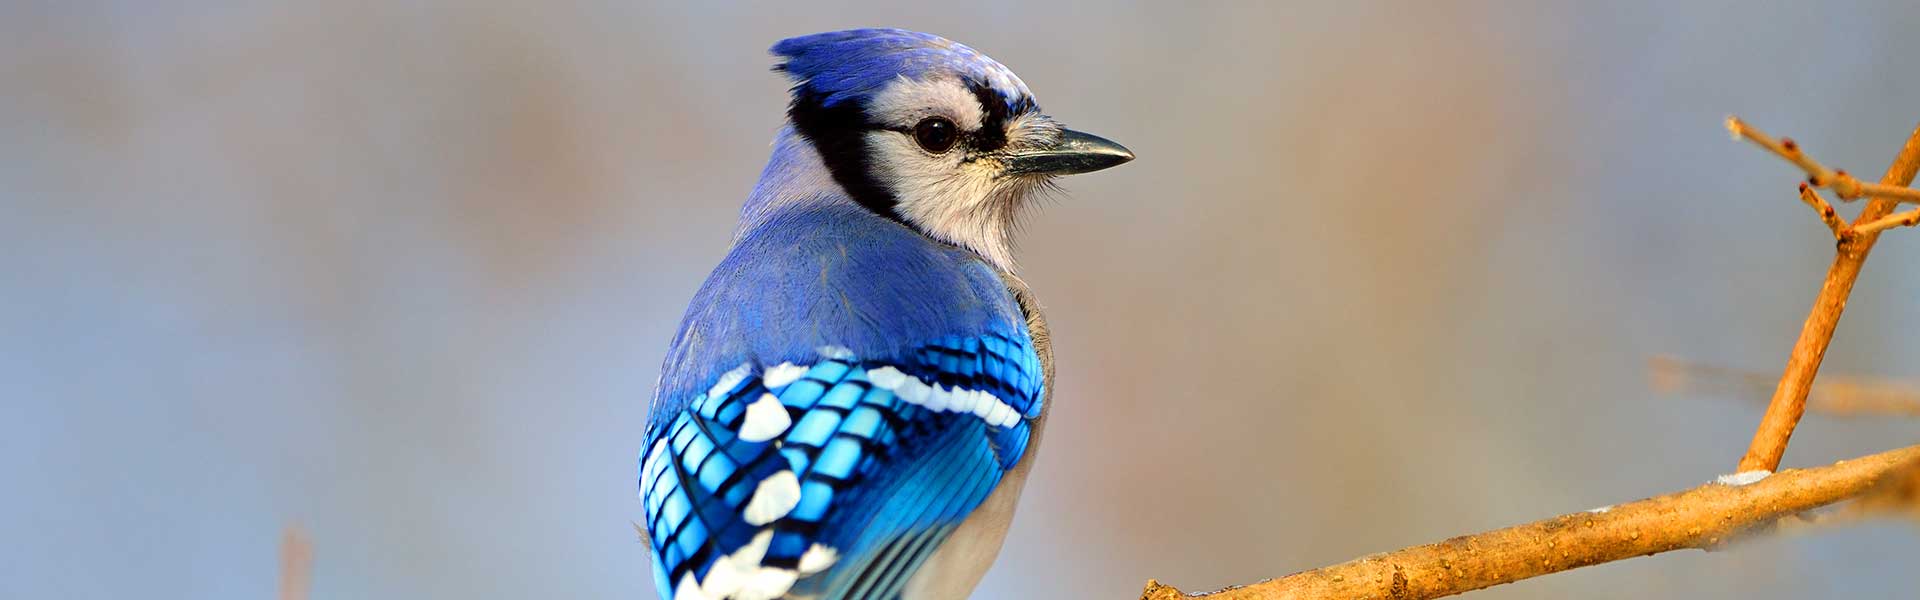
1844,396
296,564
1754,498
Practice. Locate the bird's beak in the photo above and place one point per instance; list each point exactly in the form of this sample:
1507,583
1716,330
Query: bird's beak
1073,152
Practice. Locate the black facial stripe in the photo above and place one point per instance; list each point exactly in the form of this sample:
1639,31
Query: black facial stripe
993,120
995,113
838,133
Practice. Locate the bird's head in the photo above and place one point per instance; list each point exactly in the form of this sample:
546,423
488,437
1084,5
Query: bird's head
931,133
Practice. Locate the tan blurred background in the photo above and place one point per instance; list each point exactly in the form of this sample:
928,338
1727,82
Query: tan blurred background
1383,273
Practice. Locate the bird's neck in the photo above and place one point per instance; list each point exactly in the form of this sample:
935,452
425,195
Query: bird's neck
795,178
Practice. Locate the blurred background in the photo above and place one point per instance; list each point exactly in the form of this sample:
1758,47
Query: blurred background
404,273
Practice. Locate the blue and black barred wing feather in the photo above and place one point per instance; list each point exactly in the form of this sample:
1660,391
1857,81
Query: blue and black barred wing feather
835,479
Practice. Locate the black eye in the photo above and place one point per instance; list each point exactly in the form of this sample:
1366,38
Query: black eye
936,134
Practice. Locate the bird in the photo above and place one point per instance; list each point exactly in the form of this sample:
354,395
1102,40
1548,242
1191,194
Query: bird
851,404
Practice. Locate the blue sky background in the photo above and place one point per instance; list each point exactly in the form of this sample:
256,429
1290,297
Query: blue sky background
1384,273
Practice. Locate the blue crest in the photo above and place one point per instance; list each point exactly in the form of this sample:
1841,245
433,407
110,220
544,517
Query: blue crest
856,63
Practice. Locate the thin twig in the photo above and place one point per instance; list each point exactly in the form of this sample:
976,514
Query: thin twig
1704,517
1843,184
1790,396
1905,219
1827,214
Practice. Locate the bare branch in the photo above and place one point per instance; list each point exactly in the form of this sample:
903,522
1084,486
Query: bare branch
1843,184
1827,214
1905,219
1790,396
1704,517
1899,494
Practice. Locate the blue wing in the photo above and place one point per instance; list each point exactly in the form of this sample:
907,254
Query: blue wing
843,394
872,465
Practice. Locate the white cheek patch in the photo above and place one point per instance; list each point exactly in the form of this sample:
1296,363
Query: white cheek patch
948,198
917,176
906,101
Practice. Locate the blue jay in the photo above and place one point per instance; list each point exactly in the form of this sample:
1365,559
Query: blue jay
851,404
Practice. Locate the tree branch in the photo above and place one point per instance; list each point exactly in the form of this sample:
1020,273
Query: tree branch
1827,214
1848,188
1905,219
1790,396
1704,517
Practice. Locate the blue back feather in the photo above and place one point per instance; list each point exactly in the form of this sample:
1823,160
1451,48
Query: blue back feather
833,275
883,481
